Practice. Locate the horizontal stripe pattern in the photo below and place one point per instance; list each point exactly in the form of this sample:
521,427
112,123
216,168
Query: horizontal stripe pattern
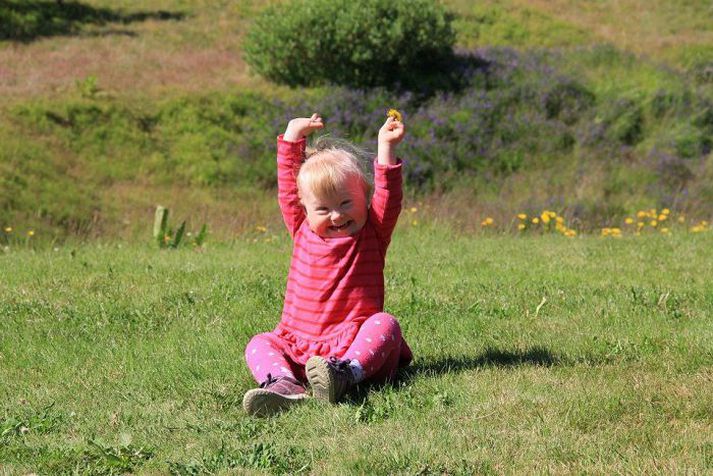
334,281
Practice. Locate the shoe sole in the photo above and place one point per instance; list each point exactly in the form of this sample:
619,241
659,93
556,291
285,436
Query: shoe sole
322,379
260,402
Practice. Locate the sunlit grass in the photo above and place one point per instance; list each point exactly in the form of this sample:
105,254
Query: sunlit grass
533,354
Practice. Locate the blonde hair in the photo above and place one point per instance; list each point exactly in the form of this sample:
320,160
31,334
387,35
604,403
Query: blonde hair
330,164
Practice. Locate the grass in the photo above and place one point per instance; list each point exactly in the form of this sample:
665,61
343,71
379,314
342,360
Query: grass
536,354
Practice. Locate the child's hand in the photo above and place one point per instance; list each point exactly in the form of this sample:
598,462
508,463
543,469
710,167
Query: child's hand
390,134
302,126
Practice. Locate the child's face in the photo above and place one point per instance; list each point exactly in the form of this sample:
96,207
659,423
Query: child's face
343,214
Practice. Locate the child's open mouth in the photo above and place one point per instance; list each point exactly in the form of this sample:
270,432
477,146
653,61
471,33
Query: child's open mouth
341,227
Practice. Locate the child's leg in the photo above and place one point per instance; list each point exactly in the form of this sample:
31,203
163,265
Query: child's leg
263,357
377,347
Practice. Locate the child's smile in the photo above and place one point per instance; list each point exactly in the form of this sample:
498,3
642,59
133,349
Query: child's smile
342,214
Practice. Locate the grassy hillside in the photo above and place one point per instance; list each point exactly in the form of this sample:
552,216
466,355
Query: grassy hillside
110,107
539,354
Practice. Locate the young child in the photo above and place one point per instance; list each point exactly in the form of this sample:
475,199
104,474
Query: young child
333,332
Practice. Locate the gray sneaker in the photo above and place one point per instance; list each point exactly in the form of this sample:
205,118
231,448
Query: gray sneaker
273,396
330,379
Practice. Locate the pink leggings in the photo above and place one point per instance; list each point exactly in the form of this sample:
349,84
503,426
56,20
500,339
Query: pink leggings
377,346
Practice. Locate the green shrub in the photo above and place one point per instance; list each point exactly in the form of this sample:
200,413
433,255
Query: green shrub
355,43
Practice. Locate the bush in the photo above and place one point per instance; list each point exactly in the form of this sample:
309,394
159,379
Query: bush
363,43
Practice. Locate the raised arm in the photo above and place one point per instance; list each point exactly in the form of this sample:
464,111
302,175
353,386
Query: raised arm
290,155
386,202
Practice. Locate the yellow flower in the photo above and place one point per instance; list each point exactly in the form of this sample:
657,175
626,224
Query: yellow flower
606,231
535,220
31,233
559,220
629,221
653,223
521,226
522,216
570,233
665,211
640,225
682,219
545,217
261,229
414,223
662,217
665,230
413,210
8,229
395,114
641,214
487,222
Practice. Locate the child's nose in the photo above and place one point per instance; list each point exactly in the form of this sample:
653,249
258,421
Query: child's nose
336,216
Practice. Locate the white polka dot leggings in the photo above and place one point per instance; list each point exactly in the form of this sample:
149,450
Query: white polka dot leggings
377,347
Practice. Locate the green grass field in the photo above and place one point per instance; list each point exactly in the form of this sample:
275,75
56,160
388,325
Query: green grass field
533,355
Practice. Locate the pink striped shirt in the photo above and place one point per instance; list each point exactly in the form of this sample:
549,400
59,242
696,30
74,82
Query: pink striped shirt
334,282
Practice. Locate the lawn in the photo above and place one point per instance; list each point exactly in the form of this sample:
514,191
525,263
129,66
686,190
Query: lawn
533,354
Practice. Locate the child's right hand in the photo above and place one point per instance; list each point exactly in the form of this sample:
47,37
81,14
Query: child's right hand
302,126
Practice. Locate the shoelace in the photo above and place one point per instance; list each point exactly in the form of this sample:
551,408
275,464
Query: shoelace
270,380
341,366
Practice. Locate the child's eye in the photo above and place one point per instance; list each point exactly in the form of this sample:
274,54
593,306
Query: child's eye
346,203
321,210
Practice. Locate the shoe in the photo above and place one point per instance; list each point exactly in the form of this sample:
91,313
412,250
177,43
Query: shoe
273,396
330,379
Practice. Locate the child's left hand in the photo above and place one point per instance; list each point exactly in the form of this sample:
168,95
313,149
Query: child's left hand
392,132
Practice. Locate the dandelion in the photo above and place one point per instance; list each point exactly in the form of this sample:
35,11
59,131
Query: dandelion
522,216
559,220
31,233
395,114
414,223
487,222
665,211
641,214
629,221
521,226
570,233
665,231
261,229
8,229
545,216
413,210
662,217
535,220
653,223
682,219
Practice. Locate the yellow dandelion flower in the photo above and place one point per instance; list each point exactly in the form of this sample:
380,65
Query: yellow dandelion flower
704,223
629,221
653,223
487,222
8,229
521,226
605,231
696,229
559,220
395,114
662,217
522,216
616,231
535,220
665,211
570,233
682,219
640,225
641,214
31,233
552,214
261,229
414,223
545,217
413,209
665,230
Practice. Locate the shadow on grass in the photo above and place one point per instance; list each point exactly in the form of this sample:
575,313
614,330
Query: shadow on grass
536,356
28,20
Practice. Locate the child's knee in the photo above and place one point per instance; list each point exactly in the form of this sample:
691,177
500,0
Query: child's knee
255,345
387,323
